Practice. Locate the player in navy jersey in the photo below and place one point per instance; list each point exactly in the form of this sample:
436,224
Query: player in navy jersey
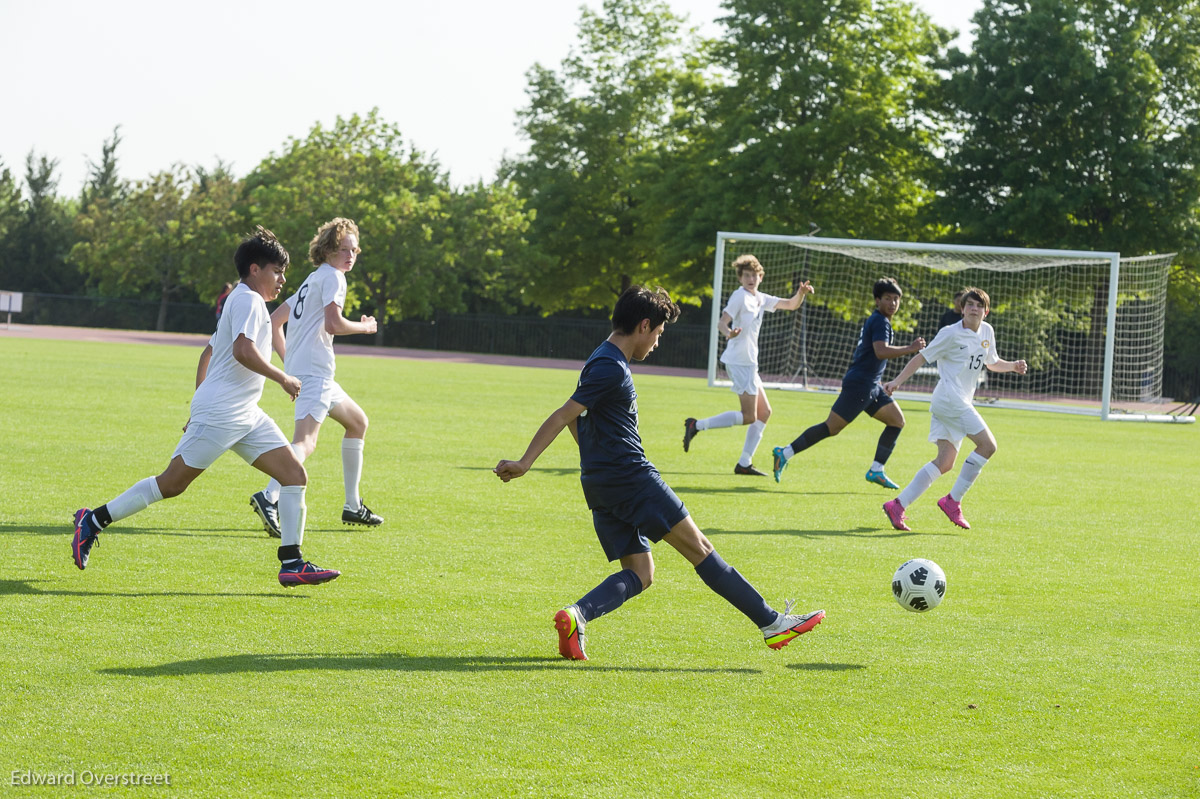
962,351
861,390
631,505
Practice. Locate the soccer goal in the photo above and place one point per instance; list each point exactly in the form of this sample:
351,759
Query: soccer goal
1090,324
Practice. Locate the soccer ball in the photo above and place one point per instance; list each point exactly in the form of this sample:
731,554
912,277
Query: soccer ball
919,585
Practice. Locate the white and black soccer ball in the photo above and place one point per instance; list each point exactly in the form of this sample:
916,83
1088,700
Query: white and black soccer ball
919,585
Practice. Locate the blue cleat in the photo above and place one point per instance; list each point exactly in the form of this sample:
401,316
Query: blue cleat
880,479
86,536
778,462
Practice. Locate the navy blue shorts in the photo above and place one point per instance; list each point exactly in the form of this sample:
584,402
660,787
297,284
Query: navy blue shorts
858,397
628,519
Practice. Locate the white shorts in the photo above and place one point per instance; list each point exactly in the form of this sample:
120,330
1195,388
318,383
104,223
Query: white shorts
202,444
745,379
954,426
317,396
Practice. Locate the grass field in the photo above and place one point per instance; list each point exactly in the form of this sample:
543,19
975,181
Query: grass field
1062,663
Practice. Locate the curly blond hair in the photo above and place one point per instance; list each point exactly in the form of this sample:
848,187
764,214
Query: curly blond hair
329,238
747,263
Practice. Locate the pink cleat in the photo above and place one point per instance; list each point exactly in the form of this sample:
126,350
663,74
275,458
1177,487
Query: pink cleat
895,514
953,511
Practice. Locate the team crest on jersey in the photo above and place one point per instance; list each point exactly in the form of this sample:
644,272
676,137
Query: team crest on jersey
985,343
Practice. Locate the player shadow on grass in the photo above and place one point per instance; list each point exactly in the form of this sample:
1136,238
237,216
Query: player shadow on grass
65,530
27,588
855,532
386,661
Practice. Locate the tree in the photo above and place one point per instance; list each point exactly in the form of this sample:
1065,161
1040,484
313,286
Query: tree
1080,126
596,128
171,235
828,113
1080,129
103,184
36,247
423,243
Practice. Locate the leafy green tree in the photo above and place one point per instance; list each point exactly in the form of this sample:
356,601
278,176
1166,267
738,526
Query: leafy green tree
10,217
36,246
1080,126
170,236
423,243
829,114
1080,129
596,128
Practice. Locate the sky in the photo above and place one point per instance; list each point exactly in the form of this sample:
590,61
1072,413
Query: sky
196,82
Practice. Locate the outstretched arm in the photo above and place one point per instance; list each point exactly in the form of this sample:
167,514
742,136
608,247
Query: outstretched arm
908,371
1020,367
338,325
544,437
885,351
797,299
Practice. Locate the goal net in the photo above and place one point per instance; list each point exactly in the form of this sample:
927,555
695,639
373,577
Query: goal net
1089,324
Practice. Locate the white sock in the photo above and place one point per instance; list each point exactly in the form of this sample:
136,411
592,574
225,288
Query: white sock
971,468
135,499
727,419
271,492
292,514
754,435
876,466
788,452
352,460
921,482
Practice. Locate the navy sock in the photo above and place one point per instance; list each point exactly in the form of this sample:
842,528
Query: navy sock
289,554
818,432
610,594
101,517
726,581
887,442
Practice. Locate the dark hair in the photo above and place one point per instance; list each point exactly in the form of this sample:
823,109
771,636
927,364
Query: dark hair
262,248
979,295
638,303
887,285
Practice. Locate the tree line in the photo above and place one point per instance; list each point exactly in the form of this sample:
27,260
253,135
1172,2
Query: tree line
1068,124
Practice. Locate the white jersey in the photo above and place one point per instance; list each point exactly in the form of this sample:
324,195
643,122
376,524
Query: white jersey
229,395
746,310
309,344
961,353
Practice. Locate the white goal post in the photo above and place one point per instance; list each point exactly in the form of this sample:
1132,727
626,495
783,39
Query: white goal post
1090,324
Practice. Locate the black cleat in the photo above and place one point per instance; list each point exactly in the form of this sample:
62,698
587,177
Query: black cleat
689,432
269,513
361,516
740,469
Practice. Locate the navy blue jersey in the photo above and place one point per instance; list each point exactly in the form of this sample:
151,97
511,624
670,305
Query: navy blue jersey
865,367
610,448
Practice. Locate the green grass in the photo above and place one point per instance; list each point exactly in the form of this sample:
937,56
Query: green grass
1062,663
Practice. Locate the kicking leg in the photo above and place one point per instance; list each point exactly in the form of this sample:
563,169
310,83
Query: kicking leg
778,628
